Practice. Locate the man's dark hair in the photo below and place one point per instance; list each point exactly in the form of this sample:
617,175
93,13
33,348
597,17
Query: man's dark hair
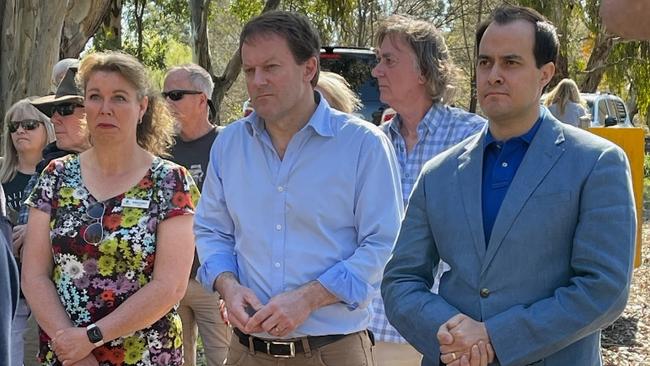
301,36
546,43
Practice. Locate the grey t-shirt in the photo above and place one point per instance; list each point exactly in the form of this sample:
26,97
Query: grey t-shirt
194,155
571,115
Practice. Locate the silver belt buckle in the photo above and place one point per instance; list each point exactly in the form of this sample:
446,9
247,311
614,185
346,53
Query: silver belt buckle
292,349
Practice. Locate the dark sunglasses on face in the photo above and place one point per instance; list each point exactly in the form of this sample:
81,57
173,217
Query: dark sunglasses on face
27,125
94,233
64,109
176,95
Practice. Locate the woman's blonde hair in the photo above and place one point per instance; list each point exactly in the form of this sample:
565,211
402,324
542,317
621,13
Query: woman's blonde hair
337,92
565,91
156,131
9,163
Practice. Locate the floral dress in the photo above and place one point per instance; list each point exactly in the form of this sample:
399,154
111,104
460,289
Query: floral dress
92,280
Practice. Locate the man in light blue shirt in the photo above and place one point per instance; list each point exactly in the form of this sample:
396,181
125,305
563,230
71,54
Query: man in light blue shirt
300,208
415,76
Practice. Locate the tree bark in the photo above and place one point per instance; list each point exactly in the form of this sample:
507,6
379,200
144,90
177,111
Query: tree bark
224,82
29,47
597,60
199,11
82,20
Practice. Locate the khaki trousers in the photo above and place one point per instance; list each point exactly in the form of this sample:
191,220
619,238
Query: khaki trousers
199,312
353,350
396,354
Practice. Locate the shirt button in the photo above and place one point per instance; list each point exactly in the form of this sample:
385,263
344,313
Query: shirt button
407,175
485,293
277,264
280,189
504,164
278,227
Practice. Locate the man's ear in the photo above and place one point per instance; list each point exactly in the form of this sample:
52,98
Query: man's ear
548,70
311,67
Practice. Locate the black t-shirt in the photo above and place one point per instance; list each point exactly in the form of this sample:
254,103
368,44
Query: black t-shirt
194,156
14,192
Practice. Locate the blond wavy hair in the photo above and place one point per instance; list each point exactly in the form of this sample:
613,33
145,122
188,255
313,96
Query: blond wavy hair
337,92
564,92
156,131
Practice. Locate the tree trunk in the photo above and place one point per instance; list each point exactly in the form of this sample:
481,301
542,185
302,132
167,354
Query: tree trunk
597,63
472,83
113,23
29,47
139,6
199,11
82,20
225,81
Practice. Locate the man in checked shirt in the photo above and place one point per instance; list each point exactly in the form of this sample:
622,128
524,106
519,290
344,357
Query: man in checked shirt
415,76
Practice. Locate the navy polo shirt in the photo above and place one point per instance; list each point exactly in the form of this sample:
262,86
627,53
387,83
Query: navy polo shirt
500,163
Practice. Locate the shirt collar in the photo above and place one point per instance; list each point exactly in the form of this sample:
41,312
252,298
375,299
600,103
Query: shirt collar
319,121
526,137
430,120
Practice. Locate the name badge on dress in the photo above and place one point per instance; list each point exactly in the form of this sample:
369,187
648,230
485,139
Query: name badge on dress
135,203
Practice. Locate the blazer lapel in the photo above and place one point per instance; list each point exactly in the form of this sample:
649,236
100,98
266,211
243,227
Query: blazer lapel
470,166
543,152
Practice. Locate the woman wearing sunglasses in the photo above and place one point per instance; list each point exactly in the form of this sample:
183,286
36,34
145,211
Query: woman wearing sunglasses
26,131
110,243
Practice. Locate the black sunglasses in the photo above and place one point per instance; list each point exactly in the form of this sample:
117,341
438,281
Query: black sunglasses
27,125
94,233
178,94
65,109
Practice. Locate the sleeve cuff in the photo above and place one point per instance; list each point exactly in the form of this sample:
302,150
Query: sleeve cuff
213,267
347,287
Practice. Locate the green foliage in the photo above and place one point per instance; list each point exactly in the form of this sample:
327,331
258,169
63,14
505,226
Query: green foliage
164,22
246,9
646,166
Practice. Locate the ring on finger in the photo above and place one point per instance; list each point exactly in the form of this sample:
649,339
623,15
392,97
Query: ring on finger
453,356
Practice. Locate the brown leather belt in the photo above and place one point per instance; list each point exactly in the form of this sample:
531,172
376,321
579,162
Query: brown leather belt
285,348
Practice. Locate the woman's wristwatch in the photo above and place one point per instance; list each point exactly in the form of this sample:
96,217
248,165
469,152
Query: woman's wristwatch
95,335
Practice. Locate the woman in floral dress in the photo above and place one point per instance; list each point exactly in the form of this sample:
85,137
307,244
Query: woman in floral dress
109,240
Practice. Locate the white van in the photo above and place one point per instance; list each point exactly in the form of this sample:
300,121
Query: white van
607,110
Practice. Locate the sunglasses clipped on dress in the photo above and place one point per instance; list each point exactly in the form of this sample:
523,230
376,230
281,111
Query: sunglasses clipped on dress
27,125
94,233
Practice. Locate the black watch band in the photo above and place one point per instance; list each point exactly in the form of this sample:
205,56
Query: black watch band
95,335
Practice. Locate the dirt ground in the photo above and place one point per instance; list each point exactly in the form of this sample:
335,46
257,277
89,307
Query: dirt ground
627,341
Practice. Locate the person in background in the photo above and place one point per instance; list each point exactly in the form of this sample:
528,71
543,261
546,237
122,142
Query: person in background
187,90
536,219
295,231
109,238
565,103
26,132
416,78
626,18
60,69
337,92
9,286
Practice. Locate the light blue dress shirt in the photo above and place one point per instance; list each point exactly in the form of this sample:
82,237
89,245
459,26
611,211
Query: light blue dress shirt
330,211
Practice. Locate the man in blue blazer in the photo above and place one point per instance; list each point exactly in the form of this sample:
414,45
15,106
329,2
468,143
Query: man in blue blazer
536,219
